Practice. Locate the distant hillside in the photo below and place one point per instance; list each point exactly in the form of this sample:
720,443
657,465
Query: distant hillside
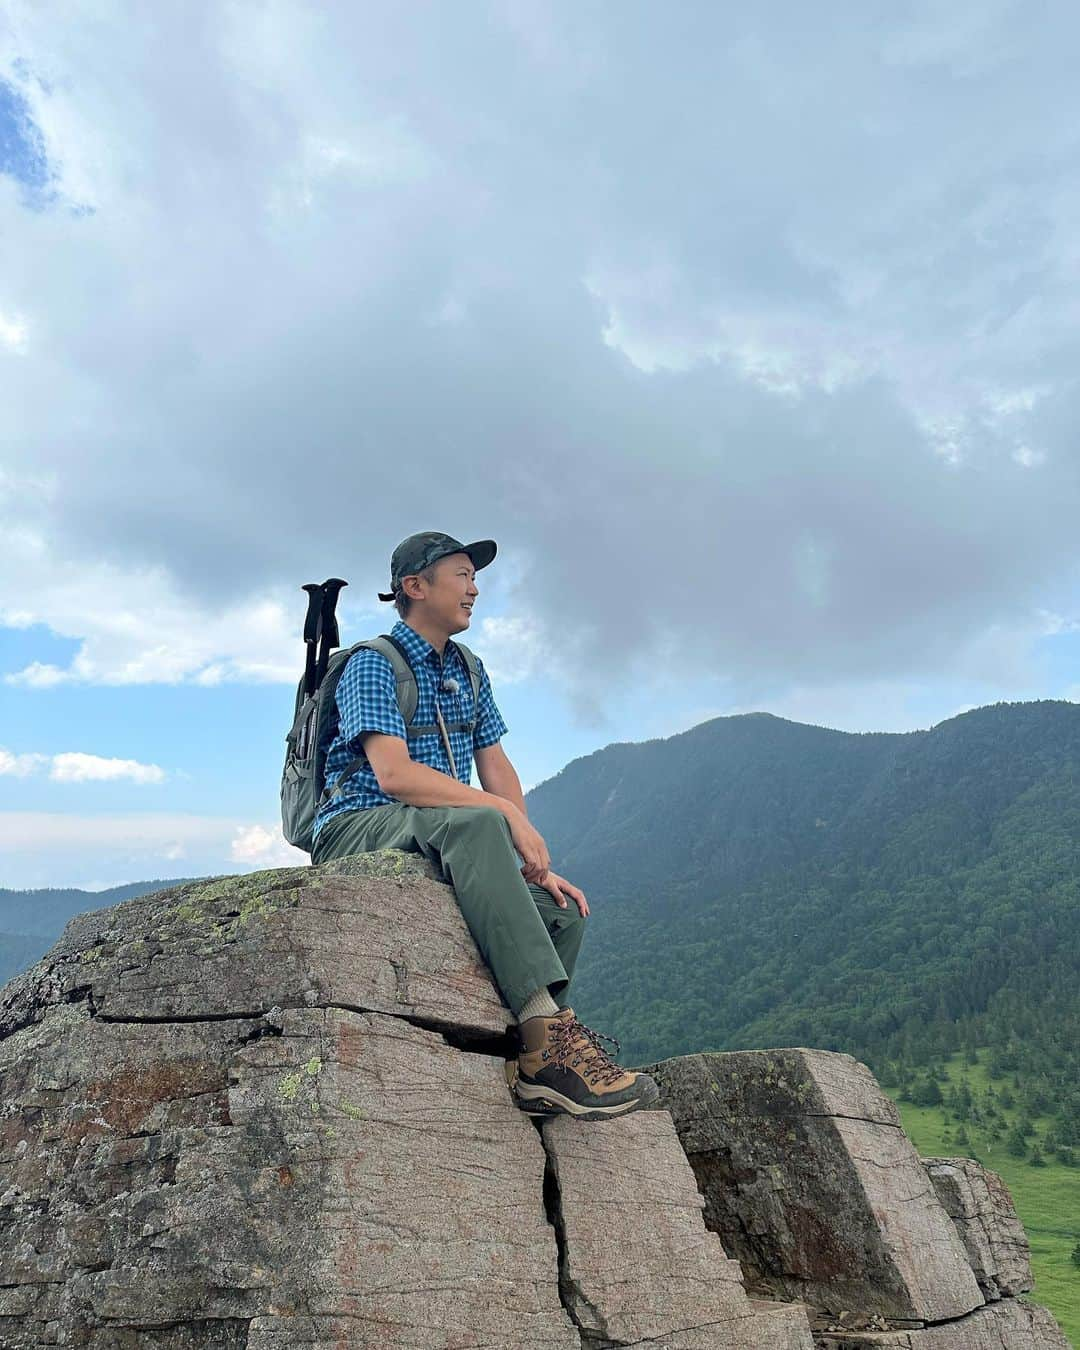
31,921
758,882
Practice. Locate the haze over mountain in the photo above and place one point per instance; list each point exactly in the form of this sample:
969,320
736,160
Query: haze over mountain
758,882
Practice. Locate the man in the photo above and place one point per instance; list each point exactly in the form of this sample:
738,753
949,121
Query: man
414,794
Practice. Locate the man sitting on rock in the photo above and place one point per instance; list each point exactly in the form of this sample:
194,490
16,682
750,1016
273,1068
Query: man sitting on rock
414,794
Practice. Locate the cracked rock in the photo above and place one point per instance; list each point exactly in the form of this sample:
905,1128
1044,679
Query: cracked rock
270,1111
1012,1324
638,1265
979,1204
229,1116
812,1184
379,934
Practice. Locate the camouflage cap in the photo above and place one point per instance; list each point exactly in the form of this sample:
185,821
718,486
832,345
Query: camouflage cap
420,551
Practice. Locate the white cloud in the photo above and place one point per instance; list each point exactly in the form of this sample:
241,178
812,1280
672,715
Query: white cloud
511,648
43,848
20,766
138,627
38,675
1052,623
140,834
75,767
262,847
811,308
13,333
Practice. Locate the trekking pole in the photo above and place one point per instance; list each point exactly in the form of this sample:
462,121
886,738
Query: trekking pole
329,635
312,628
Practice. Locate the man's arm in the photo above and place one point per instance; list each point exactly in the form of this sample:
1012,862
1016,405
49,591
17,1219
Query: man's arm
499,776
418,785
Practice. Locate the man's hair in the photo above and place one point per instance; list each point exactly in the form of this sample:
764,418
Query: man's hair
402,602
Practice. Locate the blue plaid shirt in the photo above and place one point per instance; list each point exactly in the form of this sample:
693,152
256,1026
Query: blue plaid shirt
367,701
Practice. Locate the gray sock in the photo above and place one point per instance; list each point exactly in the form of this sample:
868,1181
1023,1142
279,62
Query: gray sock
539,1004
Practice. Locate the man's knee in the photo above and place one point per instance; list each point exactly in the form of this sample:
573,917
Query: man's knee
481,826
572,916
478,822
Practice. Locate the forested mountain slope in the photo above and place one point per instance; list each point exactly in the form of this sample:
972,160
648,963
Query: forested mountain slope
757,882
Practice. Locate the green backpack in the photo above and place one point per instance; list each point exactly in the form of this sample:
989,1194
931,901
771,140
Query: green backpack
315,714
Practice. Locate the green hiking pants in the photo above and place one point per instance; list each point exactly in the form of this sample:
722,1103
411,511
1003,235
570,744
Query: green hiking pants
528,941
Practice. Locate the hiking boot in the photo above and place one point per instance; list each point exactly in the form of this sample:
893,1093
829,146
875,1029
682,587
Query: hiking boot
563,1070
531,1109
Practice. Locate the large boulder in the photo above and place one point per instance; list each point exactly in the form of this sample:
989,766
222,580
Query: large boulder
271,1112
811,1183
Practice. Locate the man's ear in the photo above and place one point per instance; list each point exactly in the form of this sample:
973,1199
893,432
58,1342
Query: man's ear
412,587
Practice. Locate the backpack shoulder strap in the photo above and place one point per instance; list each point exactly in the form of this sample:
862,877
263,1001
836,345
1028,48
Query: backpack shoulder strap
404,679
405,689
473,667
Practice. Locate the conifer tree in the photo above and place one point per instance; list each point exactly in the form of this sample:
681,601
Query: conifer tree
1015,1143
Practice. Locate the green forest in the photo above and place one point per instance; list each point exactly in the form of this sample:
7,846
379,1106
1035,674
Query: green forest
969,1105
901,898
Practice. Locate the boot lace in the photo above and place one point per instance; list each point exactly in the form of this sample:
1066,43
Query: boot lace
573,1041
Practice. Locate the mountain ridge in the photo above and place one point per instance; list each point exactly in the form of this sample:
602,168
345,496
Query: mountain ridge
761,882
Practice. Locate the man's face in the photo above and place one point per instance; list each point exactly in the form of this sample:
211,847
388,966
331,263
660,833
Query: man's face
448,599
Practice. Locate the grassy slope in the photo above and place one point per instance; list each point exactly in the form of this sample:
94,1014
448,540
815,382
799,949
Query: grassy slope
1047,1198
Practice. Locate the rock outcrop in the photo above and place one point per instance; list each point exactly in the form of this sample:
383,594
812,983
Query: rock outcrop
271,1112
979,1204
812,1185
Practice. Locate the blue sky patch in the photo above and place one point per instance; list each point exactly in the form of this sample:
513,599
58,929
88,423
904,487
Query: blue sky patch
22,149
20,647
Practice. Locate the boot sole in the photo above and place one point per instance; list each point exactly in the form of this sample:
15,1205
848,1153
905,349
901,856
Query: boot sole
538,1101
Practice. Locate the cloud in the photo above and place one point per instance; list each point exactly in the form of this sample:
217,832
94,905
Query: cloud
511,648
42,848
13,333
20,766
138,626
142,833
729,369
262,847
76,767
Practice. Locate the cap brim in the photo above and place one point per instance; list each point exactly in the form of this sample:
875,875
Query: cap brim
482,552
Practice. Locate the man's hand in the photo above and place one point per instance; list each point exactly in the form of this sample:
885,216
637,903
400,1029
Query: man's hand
557,885
529,842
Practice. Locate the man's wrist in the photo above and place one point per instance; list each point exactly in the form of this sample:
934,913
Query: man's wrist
502,804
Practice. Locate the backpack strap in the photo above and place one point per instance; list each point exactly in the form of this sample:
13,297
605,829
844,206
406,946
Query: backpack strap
472,664
408,693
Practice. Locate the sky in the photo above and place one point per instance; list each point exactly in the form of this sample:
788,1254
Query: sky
750,332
